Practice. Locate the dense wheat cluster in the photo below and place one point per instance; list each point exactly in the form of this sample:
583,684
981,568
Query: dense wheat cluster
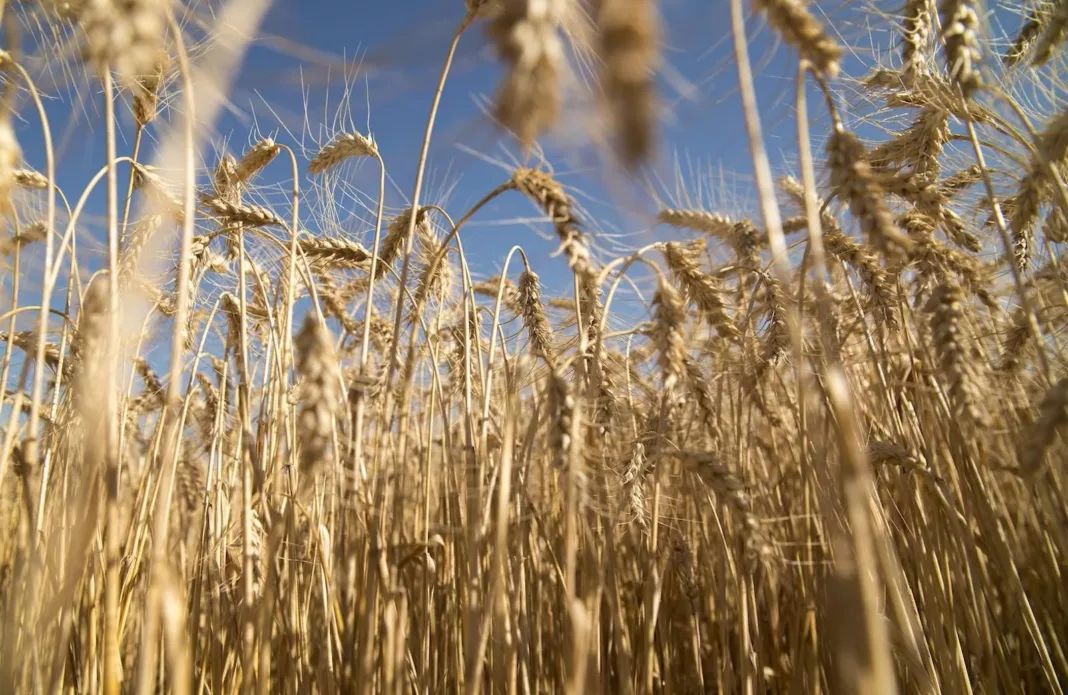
811,446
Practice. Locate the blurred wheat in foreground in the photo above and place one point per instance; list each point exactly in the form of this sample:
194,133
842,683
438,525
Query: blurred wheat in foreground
815,449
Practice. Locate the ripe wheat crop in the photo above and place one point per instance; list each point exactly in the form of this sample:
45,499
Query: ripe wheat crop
815,446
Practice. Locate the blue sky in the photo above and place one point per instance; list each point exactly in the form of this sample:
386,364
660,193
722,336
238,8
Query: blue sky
298,69
401,45
299,65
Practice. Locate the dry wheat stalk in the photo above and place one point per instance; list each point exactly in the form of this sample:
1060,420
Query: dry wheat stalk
540,187
526,34
319,396
138,236
254,160
919,147
125,35
926,90
224,179
933,259
392,244
30,234
561,416
1053,34
528,300
960,36
702,288
633,483
669,317
1055,227
1039,437
1024,208
343,147
146,92
697,383
776,338
1025,38
436,279
955,183
333,252
151,398
880,289
681,565
258,575
28,178
629,43
1023,211
510,297
1016,345
157,190
742,236
853,180
946,309
915,37
803,31
27,342
335,302
697,220
733,492
929,201
239,213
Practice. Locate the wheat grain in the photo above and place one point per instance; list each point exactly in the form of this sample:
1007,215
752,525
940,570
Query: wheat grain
853,180
528,300
956,183
333,252
1025,38
138,237
255,159
1053,34
800,29
919,147
528,42
629,43
701,288
669,315
124,35
239,213
561,416
632,482
343,147
27,178
540,187
146,92
698,220
960,36
1037,440
776,338
946,308
915,37
319,395
733,492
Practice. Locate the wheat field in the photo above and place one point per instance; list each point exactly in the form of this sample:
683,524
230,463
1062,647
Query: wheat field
811,446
